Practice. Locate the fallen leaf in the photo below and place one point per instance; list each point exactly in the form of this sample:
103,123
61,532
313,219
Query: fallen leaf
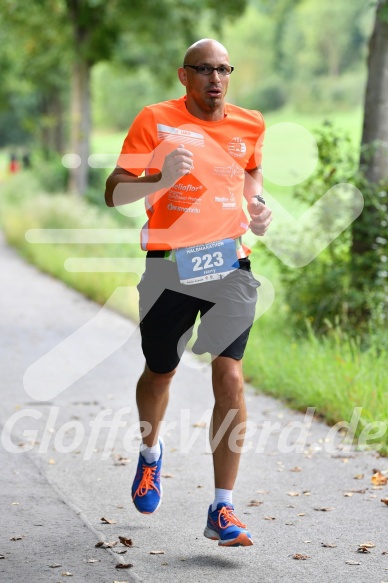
156,552
364,547
348,494
300,557
296,469
93,561
324,509
306,493
107,521
120,507
262,491
105,545
15,503
2,557
124,566
358,476
301,514
200,424
127,542
255,503
120,551
269,518
329,545
54,566
167,475
352,563
16,538
293,493
384,500
378,479
67,574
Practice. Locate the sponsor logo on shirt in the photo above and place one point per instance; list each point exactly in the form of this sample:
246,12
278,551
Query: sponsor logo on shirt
183,209
180,136
237,148
232,170
228,202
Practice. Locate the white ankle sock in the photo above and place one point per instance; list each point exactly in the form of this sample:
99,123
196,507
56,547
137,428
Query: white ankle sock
151,454
222,495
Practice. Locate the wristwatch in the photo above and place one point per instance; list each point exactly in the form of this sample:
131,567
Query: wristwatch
259,198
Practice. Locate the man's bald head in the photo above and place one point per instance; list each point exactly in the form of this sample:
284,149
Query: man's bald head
195,51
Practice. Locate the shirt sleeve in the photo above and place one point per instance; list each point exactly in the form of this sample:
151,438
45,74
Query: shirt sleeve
256,158
140,143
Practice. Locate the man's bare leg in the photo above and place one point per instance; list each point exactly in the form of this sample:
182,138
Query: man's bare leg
152,393
228,387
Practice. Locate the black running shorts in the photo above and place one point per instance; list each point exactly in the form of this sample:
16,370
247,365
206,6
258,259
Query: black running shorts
168,310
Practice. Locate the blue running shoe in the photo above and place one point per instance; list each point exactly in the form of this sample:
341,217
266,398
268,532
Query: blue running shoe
224,526
146,487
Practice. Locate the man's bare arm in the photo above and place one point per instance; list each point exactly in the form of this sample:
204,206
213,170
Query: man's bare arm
261,215
123,187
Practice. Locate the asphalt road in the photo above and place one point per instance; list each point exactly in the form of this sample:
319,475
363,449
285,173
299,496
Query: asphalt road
69,453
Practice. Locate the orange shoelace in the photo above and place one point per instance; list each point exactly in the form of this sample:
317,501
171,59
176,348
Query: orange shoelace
147,481
229,517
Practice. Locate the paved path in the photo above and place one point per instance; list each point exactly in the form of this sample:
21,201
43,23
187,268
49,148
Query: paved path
55,492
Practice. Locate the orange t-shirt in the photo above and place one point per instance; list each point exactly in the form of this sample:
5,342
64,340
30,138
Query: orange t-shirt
205,205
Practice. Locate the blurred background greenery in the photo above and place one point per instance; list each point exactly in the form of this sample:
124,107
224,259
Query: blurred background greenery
76,72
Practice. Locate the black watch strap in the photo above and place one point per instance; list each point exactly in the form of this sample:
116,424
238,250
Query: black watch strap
259,198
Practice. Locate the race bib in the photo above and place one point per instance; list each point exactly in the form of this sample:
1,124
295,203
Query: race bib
208,262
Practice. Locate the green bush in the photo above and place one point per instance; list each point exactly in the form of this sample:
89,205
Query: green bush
337,287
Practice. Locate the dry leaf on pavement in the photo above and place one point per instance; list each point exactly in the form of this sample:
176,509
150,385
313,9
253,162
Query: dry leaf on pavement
66,574
105,545
127,542
107,521
364,547
156,552
16,538
384,500
167,475
352,562
255,503
329,545
124,566
293,493
300,557
324,509
378,479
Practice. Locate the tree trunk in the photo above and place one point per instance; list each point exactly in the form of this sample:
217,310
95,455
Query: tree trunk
80,125
374,143
368,229
376,99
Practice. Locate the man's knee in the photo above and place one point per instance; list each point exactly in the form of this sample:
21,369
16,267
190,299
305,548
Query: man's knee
155,379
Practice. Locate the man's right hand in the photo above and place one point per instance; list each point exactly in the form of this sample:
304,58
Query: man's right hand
176,164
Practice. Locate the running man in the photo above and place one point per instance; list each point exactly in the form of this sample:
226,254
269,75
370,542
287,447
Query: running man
193,160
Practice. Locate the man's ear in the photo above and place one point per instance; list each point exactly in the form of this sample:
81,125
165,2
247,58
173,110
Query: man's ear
182,76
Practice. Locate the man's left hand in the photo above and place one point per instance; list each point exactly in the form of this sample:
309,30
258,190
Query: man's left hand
261,217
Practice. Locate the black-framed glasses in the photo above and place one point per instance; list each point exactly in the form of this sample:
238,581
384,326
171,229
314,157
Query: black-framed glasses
208,70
